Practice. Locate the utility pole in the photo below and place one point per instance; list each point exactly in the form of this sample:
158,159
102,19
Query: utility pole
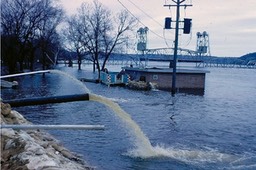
178,4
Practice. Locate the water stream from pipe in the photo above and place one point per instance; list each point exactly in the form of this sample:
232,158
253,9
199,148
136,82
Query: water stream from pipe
142,143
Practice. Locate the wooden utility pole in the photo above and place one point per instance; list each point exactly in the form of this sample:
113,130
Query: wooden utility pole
178,4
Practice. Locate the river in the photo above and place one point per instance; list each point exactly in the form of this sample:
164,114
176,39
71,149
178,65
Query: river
213,131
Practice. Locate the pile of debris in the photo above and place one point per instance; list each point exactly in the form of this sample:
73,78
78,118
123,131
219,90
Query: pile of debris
141,85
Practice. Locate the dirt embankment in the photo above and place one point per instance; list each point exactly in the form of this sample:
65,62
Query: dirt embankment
33,149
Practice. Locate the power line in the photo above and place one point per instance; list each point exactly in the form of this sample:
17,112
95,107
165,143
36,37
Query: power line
164,33
141,21
146,13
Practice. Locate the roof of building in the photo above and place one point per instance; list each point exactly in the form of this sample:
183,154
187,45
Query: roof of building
165,70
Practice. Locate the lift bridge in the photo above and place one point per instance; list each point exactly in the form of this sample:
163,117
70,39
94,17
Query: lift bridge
143,54
201,56
157,54
184,55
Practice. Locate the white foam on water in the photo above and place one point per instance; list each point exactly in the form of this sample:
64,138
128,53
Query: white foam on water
193,155
119,100
243,167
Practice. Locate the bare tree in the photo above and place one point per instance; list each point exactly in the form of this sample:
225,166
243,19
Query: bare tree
99,32
73,38
9,52
123,23
95,22
24,21
47,34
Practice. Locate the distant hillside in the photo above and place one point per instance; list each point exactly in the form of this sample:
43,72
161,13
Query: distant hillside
249,57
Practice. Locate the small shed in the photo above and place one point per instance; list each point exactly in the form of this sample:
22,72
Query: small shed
114,78
187,80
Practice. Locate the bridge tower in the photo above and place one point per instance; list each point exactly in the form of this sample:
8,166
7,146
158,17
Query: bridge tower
203,44
142,39
142,44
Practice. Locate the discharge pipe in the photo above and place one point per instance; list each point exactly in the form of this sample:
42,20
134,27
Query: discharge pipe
47,100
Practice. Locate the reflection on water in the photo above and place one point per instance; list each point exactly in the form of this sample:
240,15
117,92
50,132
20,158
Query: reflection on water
213,131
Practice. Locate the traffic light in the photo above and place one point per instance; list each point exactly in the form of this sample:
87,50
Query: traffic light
168,22
187,25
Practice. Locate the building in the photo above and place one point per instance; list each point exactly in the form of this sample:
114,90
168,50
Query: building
187,80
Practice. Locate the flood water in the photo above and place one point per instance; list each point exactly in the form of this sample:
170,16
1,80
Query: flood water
213,131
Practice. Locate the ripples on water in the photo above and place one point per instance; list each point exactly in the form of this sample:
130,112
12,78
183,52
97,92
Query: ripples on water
214,131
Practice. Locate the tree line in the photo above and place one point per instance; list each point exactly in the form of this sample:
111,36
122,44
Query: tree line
34,32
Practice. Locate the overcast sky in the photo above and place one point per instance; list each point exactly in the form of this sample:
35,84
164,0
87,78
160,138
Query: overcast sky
231,24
